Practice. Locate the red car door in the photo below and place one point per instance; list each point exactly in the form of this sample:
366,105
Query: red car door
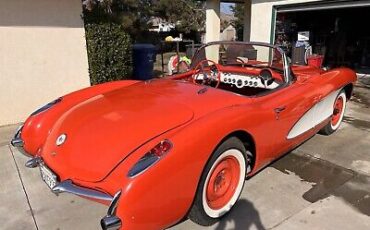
288,106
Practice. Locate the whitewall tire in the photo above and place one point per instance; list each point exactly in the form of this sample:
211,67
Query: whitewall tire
221,182
336,119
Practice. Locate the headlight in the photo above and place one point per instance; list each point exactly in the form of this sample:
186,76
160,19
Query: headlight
151,157
47,106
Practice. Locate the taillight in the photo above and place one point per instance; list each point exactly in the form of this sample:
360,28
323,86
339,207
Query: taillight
151,157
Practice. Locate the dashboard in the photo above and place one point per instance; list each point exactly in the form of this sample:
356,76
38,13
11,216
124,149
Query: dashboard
245,80
263,79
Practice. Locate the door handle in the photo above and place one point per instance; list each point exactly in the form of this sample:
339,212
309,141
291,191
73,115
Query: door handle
278,110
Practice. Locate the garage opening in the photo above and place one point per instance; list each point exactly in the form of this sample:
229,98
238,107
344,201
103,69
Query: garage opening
341,35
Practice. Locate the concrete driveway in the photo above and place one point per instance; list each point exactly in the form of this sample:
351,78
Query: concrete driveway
324,184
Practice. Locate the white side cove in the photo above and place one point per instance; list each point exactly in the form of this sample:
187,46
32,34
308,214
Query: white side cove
317,114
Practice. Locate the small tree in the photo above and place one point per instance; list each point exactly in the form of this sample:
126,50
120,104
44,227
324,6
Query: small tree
188,15
109,25
108,46
133,15
238,23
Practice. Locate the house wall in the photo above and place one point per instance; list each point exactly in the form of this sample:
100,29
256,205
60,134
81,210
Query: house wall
43,54
213,23
261,17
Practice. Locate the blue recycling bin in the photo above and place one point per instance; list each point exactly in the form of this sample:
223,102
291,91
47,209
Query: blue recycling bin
143,57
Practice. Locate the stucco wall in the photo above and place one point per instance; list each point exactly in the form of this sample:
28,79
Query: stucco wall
213,20
262,17
42,54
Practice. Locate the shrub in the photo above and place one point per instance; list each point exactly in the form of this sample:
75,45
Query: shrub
109,51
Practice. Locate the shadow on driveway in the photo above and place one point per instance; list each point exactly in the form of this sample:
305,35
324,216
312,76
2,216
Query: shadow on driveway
244,215
328,179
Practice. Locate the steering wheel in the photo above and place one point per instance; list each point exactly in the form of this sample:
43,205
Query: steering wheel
266,77
207,72
243,61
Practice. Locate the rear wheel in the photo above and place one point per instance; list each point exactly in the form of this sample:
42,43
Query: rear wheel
221,183
338,113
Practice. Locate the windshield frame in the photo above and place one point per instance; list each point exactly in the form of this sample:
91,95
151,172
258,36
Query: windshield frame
286,65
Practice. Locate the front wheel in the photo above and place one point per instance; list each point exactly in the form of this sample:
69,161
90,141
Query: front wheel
338,114
221,183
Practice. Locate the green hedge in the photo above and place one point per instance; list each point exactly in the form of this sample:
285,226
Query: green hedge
109,51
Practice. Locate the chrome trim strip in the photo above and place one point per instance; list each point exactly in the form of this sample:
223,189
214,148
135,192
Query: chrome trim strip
69,187
17,140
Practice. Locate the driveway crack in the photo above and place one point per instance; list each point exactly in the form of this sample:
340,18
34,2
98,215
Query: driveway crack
24,189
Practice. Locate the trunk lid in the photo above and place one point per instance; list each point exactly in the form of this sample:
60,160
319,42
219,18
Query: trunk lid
106,128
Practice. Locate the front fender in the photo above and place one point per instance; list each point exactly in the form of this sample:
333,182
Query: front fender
335,79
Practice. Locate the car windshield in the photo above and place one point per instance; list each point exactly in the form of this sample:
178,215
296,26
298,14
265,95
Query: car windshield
241,54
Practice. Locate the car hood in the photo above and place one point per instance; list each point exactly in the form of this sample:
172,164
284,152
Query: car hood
105,129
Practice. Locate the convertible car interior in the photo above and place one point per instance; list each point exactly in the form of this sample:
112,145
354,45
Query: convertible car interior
249,81
241,68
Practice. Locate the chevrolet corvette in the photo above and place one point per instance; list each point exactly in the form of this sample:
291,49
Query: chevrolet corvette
158,151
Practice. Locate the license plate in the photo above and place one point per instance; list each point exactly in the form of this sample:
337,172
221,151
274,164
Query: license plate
48,176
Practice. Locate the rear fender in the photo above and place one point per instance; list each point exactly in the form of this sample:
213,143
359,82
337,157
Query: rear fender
163,194
36,128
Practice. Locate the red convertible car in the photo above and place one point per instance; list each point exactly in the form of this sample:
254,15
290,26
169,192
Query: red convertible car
178,147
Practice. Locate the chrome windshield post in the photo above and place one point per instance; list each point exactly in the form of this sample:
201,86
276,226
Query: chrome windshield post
286,65
287,73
